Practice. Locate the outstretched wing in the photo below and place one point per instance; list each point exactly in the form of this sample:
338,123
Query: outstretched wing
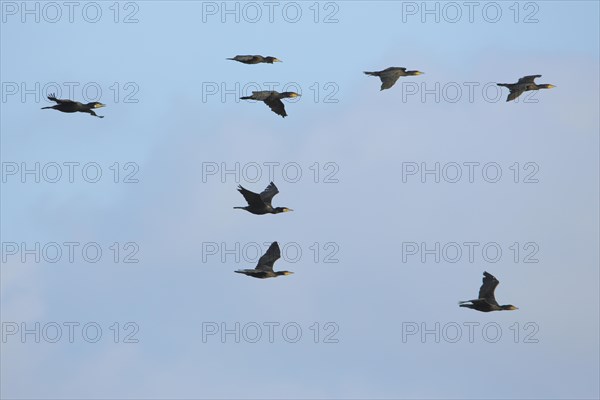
268,194
487,289
276,105
52,97
514,93
529,79
253,199
388,80
265,263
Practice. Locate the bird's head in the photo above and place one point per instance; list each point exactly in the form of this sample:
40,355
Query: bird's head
272,59
282,209
509,307
96,104
284,273
289,95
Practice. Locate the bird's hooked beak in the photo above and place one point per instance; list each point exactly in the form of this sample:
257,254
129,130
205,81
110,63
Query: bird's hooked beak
419,73
550,86
287,209
99,105
513,308
277,60
295,95
288,273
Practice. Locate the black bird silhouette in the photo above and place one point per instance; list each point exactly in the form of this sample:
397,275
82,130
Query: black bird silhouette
524,84
486,301
264,268
255,59
390,75
261,203
272,99
70,106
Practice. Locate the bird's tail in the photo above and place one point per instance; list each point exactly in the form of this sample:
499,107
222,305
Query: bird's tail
246,98
43,108
230,58
239,208
370,73
502,84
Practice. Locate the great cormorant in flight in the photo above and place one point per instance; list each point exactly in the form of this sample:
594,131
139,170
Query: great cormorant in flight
486,301
272,99
264,268
255,59
261,203
524,84
390,75
70,106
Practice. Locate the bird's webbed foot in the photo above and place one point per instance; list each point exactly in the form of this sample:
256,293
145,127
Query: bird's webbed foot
95,115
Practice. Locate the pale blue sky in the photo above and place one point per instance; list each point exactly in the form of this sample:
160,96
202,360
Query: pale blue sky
169,55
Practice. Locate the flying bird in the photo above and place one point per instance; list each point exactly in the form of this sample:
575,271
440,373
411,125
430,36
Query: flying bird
390,75
255,59
272,99
486,301
264,268
260,204
70,106
524,84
